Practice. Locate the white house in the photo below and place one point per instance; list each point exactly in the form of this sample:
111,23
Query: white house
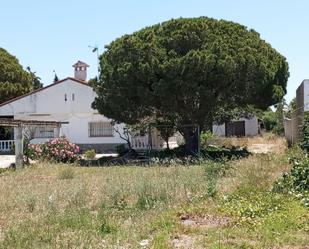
240,128
68,100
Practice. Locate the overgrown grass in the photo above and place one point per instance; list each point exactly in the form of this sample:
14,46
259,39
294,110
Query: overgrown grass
61,206
56,206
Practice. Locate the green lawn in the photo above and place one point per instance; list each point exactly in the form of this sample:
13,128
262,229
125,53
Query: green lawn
212,205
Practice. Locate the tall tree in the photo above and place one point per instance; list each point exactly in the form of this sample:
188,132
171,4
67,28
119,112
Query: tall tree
36,80
189,69
14,80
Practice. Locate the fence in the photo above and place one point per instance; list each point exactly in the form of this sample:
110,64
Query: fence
6,145
152,138
293,125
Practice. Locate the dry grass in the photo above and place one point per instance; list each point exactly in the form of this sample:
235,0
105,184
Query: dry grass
266,143
109,204
61,206
258,171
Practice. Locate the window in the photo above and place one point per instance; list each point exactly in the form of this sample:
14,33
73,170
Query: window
65,97
44,132
101,129
73,96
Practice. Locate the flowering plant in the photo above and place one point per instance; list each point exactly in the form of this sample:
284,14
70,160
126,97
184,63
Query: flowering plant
57,149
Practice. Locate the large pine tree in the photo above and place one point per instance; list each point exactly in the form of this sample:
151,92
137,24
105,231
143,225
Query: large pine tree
14,80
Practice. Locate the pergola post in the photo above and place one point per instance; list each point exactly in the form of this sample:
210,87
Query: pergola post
18,133
19,152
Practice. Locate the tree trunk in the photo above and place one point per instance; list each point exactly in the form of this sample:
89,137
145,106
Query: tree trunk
191,140
167,144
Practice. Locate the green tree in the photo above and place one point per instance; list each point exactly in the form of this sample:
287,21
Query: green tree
36,80
291,108
190,69
273,120
14,80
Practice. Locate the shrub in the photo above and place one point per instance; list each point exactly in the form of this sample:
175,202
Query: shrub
34,151
304,133
121,149
296,181
251,203
58,149
90,154
204,137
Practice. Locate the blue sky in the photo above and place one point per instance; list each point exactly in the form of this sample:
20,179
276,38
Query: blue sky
53,35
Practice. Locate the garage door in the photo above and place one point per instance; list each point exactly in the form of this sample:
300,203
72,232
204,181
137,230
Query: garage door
235,128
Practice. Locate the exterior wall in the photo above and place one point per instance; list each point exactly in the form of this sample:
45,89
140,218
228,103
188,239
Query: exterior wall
52,101
292,126
251,127
218,130
305,95
288,130
56,103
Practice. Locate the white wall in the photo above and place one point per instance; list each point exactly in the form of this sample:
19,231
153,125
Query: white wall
251,127
218,130
52,100
50,105
306,95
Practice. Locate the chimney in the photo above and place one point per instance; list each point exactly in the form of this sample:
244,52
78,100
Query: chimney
80,70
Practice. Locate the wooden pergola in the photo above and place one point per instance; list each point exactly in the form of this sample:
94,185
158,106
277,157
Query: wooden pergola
18,126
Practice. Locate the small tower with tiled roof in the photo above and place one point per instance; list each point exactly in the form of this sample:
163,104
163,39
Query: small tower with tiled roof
80,70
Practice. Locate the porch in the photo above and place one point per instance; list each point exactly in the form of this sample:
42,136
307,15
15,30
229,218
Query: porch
6,146
20,127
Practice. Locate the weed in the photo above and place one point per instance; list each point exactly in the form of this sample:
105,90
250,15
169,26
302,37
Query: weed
119,200
146,198
31,202
78,197
105,226
66,173
90,154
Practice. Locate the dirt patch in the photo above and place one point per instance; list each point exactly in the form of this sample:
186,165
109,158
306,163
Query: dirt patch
262,148
191,241
207,221
268,143
186,242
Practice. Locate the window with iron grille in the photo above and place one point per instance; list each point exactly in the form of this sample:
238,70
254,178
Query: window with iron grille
101,129
44,132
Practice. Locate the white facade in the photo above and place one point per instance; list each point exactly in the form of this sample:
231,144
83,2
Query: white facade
251,127
302,95
69,101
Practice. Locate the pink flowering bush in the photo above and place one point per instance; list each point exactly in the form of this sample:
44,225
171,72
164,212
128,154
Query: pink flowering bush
58,149
34,151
